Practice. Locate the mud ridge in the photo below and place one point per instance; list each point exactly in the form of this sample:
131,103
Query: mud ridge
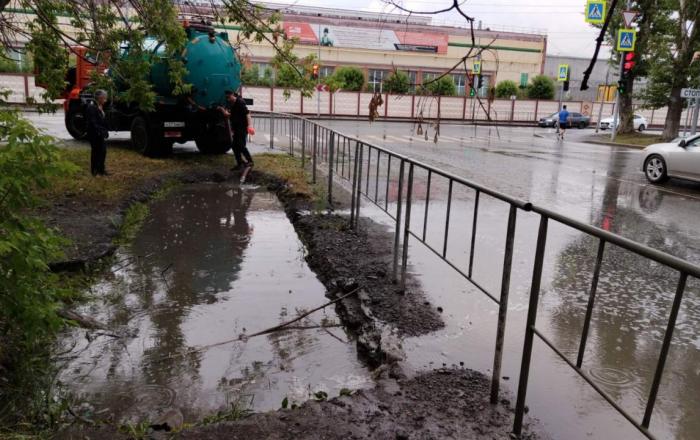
343,258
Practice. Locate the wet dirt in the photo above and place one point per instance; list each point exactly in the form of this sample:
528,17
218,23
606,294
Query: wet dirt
443,404
91,225
338,254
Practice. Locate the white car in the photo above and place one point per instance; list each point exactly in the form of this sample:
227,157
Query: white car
679,158
640,123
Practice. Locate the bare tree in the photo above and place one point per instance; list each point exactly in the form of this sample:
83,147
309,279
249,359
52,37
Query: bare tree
474,52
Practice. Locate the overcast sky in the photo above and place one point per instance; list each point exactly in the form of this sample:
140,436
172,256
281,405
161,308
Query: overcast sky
561,20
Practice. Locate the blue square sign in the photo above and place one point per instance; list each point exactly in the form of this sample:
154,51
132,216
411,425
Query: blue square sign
595,11
626,40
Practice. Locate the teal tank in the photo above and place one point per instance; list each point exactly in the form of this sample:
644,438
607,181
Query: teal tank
211,64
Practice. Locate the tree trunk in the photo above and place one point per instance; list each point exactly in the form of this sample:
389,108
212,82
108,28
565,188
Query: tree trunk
626,122
673,117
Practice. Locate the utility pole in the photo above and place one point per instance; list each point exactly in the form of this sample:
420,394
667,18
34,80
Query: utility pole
696,114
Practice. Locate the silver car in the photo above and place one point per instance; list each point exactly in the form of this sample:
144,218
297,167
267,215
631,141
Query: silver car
679,158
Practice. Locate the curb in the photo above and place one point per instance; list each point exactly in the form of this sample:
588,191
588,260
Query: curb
614,144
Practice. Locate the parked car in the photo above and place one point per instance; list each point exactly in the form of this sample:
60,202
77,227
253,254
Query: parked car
679,158
575,120
640,123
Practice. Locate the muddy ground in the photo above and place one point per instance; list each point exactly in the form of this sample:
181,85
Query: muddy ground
442,404
92,226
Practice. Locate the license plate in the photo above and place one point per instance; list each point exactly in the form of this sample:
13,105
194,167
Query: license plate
172,134
173,124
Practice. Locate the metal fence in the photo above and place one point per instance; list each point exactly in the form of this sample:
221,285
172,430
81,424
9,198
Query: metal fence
368,171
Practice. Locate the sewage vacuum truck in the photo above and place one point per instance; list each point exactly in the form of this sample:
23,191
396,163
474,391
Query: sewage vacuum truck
212,68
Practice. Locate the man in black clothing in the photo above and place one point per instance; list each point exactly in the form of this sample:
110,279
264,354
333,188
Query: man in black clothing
97,132
241,125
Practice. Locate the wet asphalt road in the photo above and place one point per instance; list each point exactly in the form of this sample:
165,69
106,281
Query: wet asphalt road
588,182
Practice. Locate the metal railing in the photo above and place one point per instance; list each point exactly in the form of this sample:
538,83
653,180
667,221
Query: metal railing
349,160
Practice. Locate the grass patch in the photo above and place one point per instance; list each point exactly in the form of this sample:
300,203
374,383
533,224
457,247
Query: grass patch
129,169
133,219
289,169
636,138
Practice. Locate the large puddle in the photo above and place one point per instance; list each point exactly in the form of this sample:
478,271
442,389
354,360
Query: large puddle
212,262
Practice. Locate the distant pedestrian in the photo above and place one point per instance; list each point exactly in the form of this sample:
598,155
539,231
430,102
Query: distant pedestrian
563,122
97,132
242,126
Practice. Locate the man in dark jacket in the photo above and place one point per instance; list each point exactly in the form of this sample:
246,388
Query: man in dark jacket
97,132
241,125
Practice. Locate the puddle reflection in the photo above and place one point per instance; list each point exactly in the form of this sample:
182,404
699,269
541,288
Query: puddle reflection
211,263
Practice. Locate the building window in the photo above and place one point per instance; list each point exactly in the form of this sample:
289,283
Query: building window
412,77
326,71
265,70
460,83
375,80
429,76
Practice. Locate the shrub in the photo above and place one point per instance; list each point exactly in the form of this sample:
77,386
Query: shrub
397,82
445,86
28,294
506,89
542,87
347,78
250,76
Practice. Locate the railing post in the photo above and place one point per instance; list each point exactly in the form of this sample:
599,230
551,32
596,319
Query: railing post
503,305
407,227
397,234
474,224
313,154
591,303
331,146
291,135
272,130
358,193
530,326
303,142
354,185
664,349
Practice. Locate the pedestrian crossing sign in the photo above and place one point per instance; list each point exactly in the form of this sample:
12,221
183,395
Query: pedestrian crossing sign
626,40
563,72
595,11
477,68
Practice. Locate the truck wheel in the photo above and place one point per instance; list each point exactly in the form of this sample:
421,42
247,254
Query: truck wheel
76,124
146,139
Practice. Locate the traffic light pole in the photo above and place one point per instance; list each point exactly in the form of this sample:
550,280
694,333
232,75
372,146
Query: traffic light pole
616,116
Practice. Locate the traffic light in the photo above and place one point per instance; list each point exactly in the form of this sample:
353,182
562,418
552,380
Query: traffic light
566,83
622,87
629,64
314,72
